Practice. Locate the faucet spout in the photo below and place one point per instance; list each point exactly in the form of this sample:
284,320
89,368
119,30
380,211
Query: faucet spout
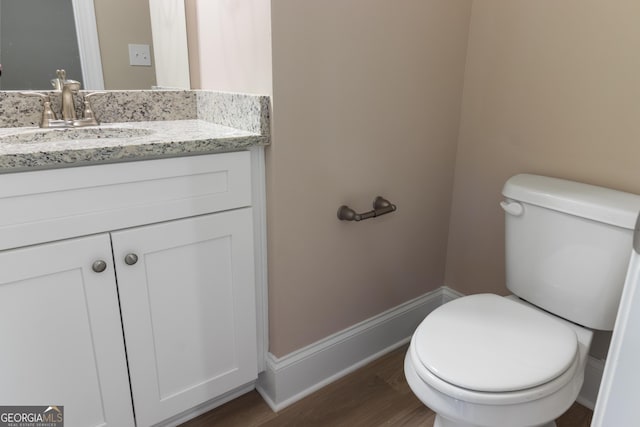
69,89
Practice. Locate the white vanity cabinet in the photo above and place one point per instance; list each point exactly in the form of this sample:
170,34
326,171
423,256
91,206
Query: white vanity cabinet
60,332
127,288
186,302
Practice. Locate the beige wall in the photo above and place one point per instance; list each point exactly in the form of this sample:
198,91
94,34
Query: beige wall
366,98
366,102
551,87
121,22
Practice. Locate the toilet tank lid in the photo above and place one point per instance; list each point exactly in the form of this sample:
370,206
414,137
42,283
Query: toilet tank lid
588,201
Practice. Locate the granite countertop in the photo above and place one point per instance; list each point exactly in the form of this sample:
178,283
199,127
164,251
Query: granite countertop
165,139
208,122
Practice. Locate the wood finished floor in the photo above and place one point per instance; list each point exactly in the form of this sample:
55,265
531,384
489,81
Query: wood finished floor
375,395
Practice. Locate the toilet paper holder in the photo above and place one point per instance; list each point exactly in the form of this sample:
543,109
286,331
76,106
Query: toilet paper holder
381,206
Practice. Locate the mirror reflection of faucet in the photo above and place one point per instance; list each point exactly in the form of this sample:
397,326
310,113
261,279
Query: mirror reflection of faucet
57,82
68,89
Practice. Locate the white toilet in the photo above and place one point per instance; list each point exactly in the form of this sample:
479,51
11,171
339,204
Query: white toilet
487,360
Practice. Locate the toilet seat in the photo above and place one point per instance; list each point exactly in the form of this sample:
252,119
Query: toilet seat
492,399
487,344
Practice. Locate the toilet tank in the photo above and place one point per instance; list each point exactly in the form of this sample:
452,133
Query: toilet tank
568,246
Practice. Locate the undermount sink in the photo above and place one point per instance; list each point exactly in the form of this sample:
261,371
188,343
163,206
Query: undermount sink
70,134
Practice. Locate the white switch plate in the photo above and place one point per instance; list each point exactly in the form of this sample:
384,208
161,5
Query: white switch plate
139,54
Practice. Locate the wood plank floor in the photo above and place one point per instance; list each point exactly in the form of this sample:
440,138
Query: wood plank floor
376,395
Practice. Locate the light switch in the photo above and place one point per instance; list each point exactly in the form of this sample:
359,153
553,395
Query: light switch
139,54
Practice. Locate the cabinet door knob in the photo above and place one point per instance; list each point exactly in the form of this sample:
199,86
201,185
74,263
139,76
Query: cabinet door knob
130,259
99,266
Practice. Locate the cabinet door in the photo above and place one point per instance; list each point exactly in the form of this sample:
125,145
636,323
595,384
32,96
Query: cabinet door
60,332
188,309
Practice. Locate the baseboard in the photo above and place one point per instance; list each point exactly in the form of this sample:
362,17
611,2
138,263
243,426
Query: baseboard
449,294
292,377
592,378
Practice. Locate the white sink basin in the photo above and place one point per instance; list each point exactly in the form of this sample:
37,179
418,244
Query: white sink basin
71,134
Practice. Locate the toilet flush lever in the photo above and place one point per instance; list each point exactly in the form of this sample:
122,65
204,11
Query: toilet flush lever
512,208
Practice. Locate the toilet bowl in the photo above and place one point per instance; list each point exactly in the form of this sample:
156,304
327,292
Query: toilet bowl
486,360
492,361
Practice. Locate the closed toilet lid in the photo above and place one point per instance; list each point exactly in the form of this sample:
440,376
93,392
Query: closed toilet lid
489,343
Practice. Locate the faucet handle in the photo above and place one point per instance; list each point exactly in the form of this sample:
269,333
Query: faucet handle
88,117
42,96
92,94
48,118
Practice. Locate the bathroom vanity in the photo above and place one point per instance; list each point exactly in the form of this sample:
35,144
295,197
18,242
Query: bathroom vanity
130,265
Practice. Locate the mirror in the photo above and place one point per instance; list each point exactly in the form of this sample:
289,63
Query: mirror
89,39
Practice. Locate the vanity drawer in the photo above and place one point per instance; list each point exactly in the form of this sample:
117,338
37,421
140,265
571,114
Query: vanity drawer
55,204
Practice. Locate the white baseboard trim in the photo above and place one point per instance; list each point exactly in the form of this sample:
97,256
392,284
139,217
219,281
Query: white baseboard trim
592,378
449,294
296,375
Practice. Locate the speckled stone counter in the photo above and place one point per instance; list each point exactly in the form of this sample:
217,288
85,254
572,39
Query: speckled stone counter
135,125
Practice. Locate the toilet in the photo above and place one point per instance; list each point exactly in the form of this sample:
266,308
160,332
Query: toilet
494,361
